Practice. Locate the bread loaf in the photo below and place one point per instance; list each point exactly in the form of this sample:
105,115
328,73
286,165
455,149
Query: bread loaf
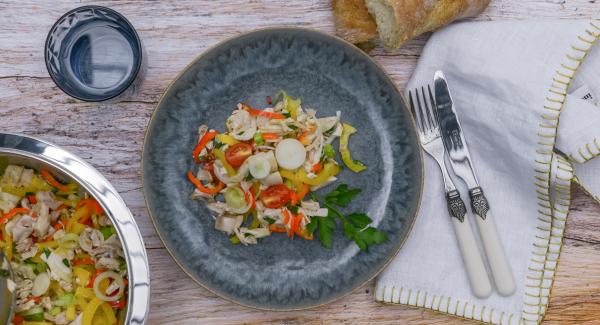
353,21
398,21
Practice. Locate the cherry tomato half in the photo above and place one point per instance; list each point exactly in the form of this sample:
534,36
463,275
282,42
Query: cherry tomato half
275,196
238,153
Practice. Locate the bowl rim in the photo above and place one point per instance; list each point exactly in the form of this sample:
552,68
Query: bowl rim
133,76
94,183
283,28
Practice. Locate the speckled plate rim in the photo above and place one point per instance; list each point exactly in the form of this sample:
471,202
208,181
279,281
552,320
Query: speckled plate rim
407,112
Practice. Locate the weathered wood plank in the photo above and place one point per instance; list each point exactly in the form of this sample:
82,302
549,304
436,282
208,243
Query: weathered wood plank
110,136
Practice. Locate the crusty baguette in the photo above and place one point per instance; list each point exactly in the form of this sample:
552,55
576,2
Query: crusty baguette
353,21
401,20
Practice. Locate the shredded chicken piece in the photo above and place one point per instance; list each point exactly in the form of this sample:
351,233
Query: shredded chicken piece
48,199
21,227
42,222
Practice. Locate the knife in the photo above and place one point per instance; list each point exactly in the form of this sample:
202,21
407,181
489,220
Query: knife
460,159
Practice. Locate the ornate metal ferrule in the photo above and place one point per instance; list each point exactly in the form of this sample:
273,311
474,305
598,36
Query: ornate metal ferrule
479,203
456,206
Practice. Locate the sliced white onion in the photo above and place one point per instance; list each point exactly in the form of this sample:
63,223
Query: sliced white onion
273,179
58,267
270,156
116,279
40,284
259,166
290,153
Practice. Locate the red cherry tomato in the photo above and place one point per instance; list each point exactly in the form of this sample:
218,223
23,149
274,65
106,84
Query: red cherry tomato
275,196
238,153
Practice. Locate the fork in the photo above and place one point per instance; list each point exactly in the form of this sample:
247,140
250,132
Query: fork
431,141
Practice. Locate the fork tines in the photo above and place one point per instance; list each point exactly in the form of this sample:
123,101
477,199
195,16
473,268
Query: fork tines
425,115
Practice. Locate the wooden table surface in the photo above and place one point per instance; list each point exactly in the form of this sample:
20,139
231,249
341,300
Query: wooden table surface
110,136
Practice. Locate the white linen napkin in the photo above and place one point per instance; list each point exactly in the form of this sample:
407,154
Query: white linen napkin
509,81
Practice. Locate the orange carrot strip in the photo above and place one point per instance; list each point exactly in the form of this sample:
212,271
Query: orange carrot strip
201,187
12,213
52,181
202,144
257,112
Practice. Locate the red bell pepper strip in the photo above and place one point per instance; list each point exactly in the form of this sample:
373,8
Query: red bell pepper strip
257,112
91,203
202,144
52,181
201,187
32,199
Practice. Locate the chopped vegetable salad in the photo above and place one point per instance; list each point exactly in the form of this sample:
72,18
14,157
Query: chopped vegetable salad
66,257
258,175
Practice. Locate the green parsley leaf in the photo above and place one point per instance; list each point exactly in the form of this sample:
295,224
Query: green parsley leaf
66,262
359,220
325,228
269,220
249,177
342,195
219,145
292,126
46,252
287,115
293,209
312,225
4,273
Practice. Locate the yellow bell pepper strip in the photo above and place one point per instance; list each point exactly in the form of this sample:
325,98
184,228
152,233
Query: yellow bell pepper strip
221,156
83,276
329,169
90,311
70,313
227,139
35,323
8,242
257,112
109,313
52,181
202,188
76,228
202,144
81,215
47,244
291,176
83,292
13,212
355,166
292,105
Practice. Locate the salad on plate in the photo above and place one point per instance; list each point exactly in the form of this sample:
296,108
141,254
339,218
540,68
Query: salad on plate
258,176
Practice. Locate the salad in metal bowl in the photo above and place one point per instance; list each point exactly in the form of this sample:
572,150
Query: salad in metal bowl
66,257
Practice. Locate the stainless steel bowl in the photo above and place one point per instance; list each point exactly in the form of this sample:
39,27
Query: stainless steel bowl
35,153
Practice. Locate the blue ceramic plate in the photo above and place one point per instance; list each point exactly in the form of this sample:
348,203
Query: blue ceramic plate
328,74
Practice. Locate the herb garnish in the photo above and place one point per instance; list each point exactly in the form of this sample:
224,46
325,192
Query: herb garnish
355,225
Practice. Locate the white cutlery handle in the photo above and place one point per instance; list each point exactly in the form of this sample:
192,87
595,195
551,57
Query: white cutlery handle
503,277
478,277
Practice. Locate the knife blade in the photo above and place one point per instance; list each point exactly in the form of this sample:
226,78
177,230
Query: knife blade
460,160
